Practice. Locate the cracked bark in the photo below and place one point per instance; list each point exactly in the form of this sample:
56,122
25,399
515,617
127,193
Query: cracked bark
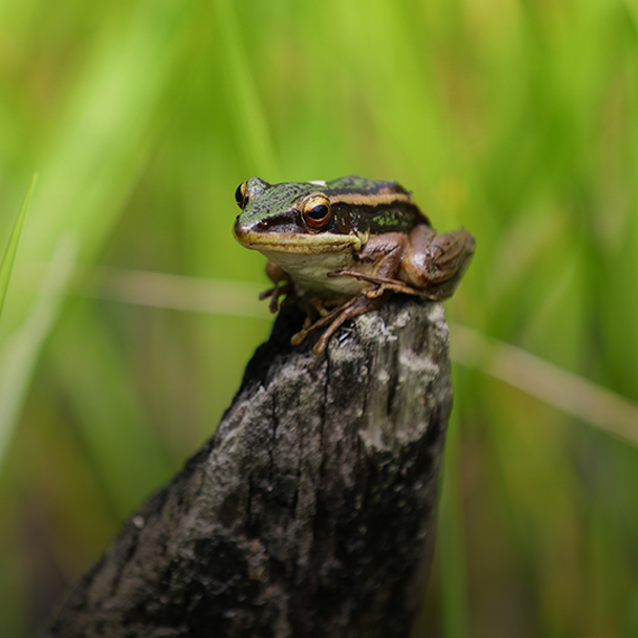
310,512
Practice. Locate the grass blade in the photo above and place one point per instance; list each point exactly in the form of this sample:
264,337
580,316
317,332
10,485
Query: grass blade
21,348
570,393
12,246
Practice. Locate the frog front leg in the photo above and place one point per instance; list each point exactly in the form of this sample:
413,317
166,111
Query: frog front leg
283,285
382,255
357,305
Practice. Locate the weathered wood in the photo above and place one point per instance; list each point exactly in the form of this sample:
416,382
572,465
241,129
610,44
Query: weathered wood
310,511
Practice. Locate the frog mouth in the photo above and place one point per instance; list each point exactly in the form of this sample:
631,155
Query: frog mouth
289,242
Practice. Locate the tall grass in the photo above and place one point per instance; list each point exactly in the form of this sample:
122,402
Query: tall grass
514,118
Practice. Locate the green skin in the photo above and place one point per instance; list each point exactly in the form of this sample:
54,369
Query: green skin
346,245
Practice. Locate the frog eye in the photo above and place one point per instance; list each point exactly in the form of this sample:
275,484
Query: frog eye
316,211
241,195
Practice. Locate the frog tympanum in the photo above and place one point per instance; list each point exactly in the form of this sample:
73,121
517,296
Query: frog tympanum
341,247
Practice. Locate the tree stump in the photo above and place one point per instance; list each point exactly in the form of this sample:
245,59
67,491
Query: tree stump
309,513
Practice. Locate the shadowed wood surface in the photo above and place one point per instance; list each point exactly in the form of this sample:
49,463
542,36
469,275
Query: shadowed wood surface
310,512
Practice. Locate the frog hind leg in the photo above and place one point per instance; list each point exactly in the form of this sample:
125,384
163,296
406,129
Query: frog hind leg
382,283
387,251
434,264
431,265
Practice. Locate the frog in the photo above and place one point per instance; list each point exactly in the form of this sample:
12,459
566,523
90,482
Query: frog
341,248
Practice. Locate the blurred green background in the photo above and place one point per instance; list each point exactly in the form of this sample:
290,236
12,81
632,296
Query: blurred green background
515,118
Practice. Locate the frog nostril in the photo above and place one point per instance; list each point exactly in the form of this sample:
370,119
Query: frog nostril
273,223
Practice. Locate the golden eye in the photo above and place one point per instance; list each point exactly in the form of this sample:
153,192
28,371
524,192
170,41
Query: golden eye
241,195
316,211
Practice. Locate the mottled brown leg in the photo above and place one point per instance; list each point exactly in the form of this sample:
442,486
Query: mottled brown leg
382,283
316,304
283,286
309,326
431,264
363,304
275,293
335,318
387,251
434,265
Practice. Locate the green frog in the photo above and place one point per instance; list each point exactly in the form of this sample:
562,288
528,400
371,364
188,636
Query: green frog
342,247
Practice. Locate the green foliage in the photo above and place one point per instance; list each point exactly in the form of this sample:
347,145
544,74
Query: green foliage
515,118
6,266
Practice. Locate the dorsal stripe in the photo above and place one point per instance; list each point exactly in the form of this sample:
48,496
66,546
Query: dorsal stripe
360,199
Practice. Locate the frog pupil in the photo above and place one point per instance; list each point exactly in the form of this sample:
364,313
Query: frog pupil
240,197
318,212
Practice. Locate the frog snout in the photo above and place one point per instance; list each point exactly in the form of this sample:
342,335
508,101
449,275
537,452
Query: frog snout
239,230
243,230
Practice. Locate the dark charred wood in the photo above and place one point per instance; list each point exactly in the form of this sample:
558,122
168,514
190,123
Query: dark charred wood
310,512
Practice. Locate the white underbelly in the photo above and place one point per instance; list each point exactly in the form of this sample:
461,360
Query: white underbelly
310,272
